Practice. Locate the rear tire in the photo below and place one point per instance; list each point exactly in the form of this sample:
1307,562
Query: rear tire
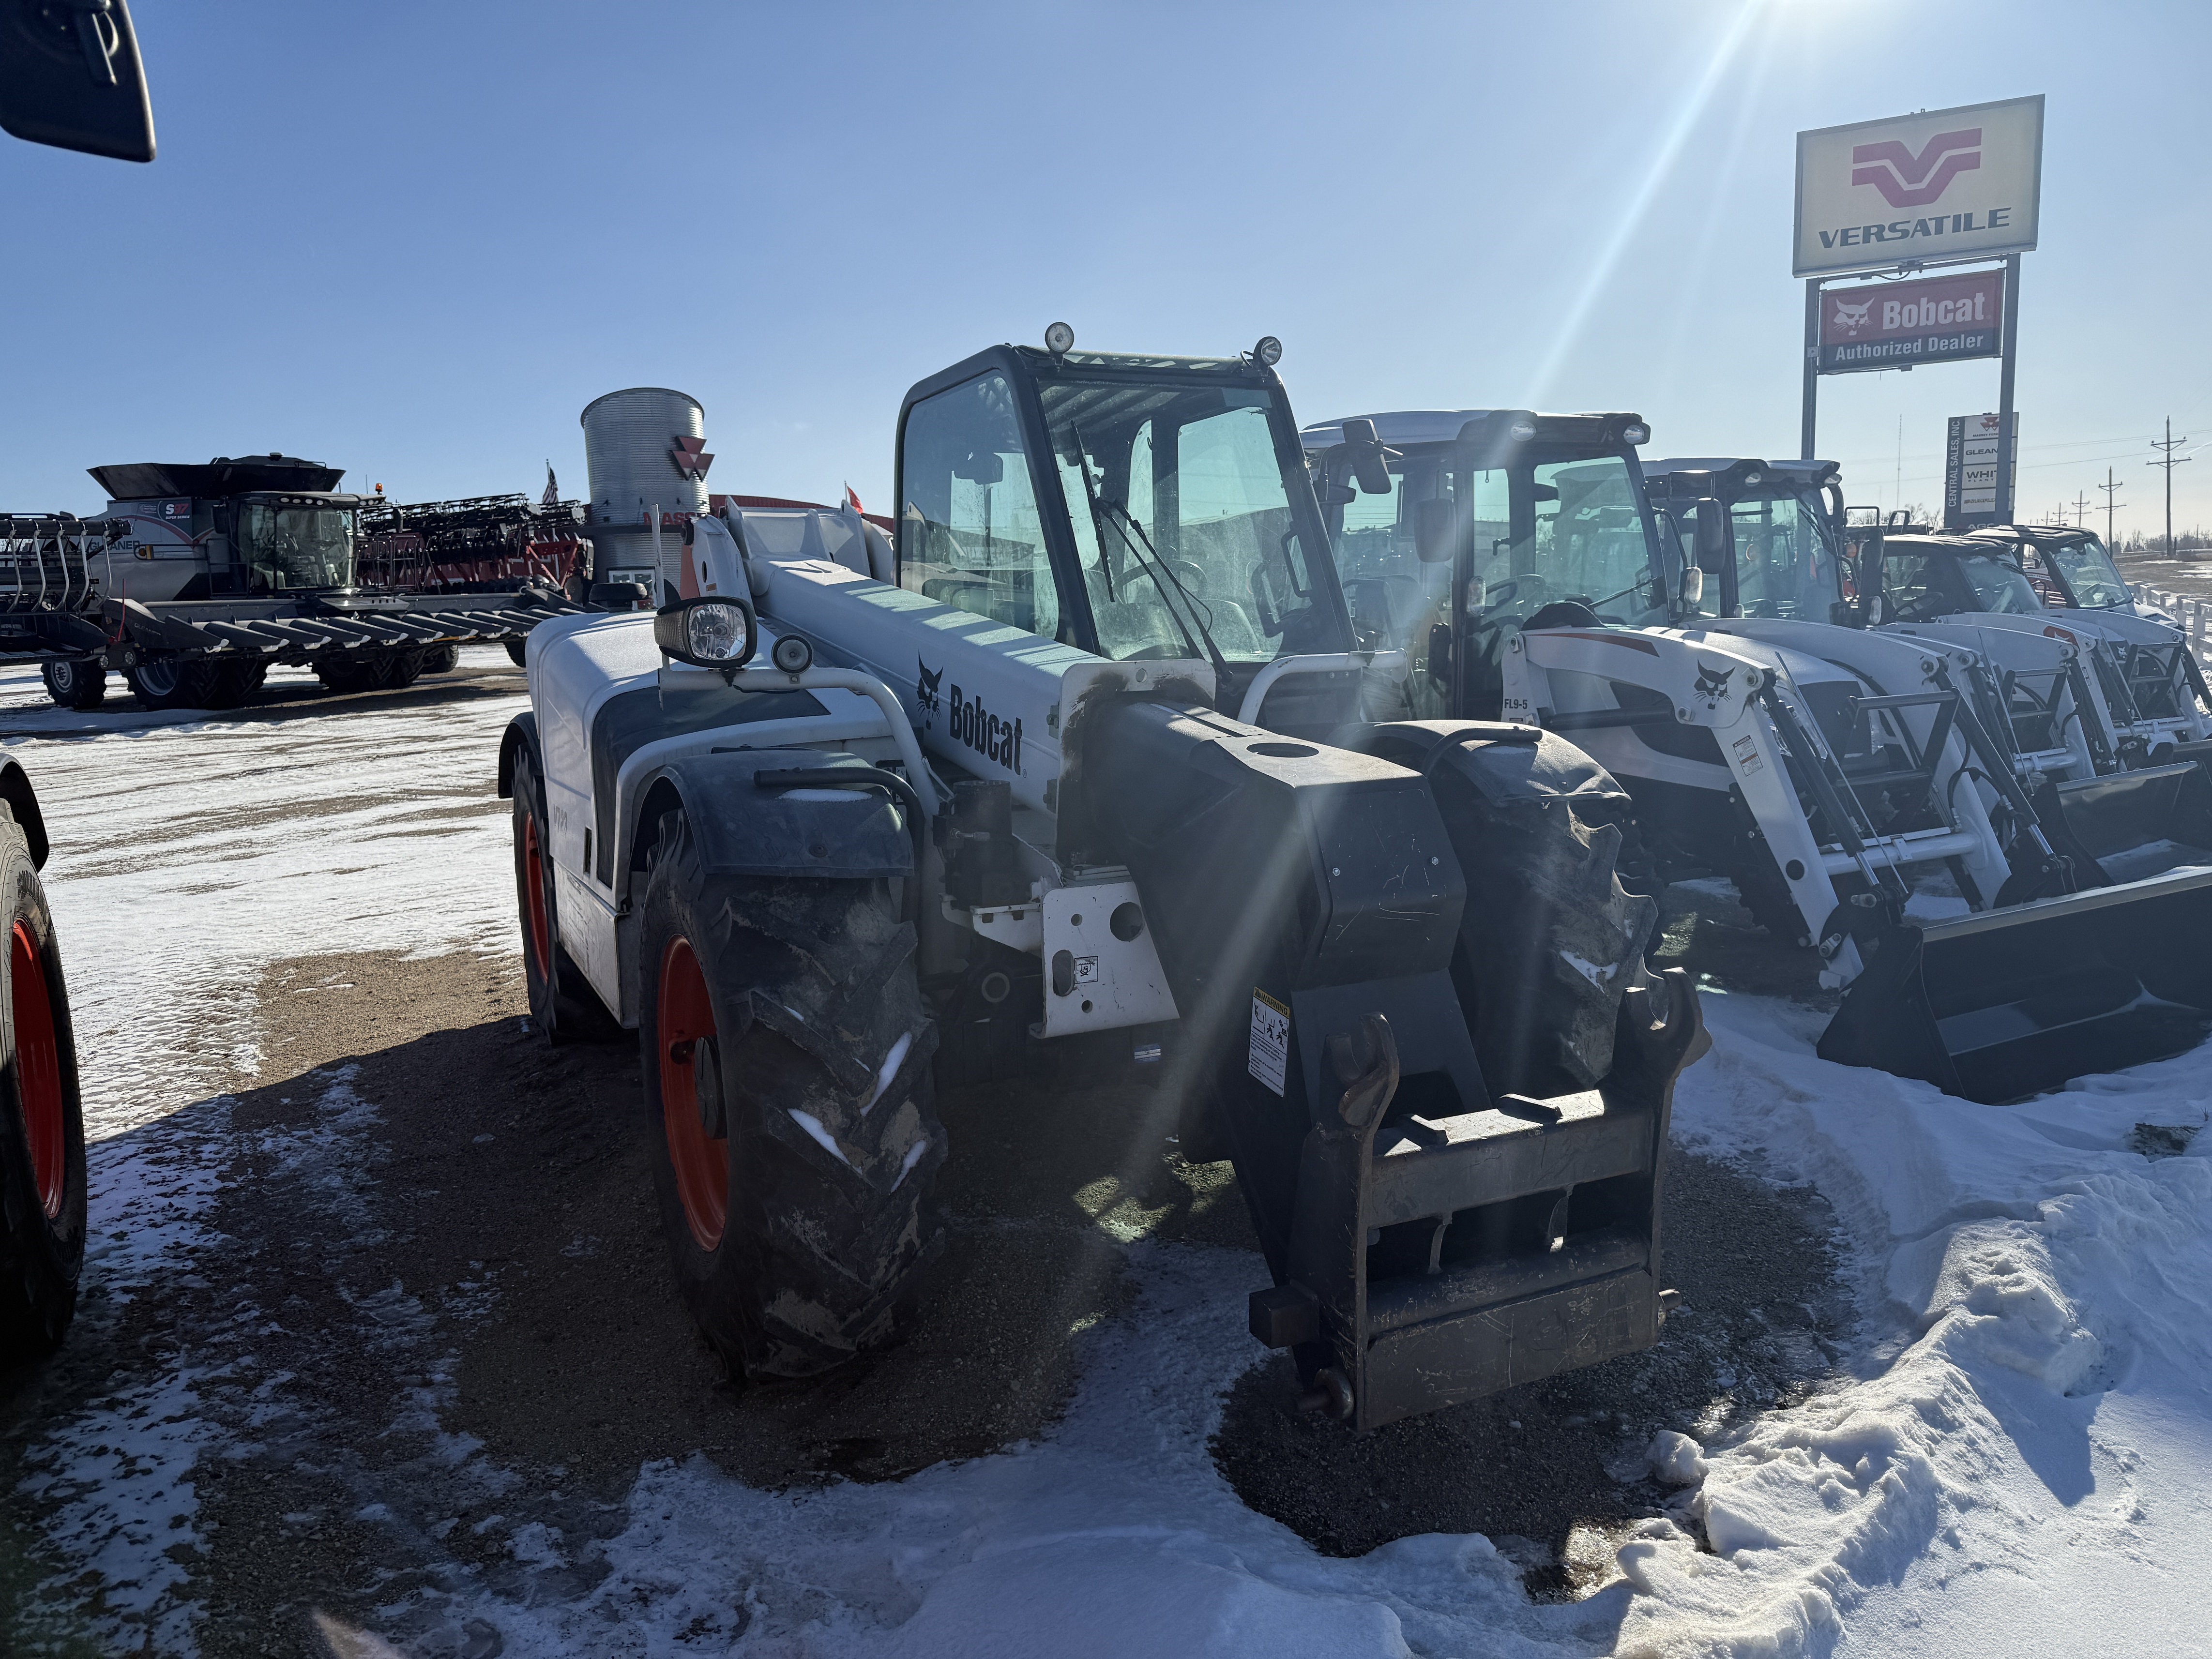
42,1174
75,681
516,652
442,659
563,1003
798,1236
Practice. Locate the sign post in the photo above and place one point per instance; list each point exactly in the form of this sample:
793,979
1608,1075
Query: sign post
1907,195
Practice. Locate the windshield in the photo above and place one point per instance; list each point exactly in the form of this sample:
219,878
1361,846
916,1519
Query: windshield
2090,573
296,546
1784,566
1531,533
1999,585
1182,520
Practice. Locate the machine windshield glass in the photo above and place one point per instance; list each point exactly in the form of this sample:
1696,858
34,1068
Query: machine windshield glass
1181,520
1784,566
296,546
1528,533
2089,572
1999,585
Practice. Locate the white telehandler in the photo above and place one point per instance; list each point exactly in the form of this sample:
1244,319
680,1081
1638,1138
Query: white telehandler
1077,766
1853,782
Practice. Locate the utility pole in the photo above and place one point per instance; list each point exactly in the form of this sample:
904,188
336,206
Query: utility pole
2171,462
2080,508
2110,502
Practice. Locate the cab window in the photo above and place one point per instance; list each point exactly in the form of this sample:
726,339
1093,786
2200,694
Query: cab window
969,533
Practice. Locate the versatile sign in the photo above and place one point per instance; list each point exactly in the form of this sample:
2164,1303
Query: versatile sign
1969,471
1935,320
1943,184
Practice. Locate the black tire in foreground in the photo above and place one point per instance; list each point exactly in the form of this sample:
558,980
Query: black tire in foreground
42,1185
75,681
789,1107
175,682
563,1003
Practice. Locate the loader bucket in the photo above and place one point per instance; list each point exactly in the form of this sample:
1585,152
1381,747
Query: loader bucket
2010,1002
2112,816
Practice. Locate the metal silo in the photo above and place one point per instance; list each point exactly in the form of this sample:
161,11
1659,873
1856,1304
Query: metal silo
643,449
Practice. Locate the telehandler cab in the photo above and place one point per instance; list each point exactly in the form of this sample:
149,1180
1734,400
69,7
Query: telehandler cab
1077,763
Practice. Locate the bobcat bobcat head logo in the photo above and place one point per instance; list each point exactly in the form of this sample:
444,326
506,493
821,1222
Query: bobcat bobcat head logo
1712,682
925,687
1853,317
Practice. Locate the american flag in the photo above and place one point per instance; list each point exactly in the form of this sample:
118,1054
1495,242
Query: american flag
552,496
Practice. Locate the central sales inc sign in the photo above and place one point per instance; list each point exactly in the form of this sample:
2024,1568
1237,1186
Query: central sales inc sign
1947,184
1935,320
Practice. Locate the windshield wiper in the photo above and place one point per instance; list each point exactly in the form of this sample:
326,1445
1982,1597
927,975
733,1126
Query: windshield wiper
1154,566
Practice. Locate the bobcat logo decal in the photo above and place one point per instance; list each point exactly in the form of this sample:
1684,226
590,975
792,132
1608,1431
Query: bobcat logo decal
1853,317
925,686
1712,682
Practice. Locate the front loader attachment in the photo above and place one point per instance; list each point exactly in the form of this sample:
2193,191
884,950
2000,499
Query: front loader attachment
2116,815
2011,1002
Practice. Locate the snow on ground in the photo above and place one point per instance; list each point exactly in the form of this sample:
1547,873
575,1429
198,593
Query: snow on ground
2018,1464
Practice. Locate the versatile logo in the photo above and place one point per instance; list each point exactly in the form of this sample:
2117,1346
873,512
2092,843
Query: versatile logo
1712,682
691,459
1852,318
926,684
1906,180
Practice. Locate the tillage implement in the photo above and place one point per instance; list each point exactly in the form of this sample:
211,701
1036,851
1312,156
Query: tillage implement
1076,761
1978,842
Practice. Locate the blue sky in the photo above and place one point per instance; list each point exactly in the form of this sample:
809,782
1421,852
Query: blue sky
415,240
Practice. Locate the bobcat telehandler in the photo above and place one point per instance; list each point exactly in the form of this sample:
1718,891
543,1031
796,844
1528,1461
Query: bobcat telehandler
1077,764
1851,781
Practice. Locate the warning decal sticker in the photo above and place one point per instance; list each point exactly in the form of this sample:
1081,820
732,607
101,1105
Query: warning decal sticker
1271,1040
1746,756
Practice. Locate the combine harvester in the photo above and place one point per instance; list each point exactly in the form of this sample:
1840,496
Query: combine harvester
199,578
482,544
1853,782
1074,766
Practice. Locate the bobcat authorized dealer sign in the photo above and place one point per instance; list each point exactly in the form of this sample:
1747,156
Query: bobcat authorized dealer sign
1950,183
1935,320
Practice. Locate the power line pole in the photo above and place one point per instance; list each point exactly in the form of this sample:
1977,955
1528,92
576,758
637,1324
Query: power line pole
2171,462
2110,502
2080,508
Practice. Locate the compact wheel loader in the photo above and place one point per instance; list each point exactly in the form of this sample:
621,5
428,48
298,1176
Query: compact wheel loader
1076,763
1855,782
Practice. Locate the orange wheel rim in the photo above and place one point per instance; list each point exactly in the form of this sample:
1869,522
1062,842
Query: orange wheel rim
38,1071
702,1164
533,897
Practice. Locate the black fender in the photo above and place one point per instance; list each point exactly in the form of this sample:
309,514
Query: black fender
16,790
744,829
521,738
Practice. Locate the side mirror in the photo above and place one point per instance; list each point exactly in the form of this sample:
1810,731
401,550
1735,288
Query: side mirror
1693,587
708,633
1712,536
985,467
1434,521
1369,460
70,77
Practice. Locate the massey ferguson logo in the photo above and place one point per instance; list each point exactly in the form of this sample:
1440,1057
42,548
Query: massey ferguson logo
1906,180
690,458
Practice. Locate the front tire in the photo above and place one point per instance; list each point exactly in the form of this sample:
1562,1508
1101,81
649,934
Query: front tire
75,681
797,1235
42,1170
